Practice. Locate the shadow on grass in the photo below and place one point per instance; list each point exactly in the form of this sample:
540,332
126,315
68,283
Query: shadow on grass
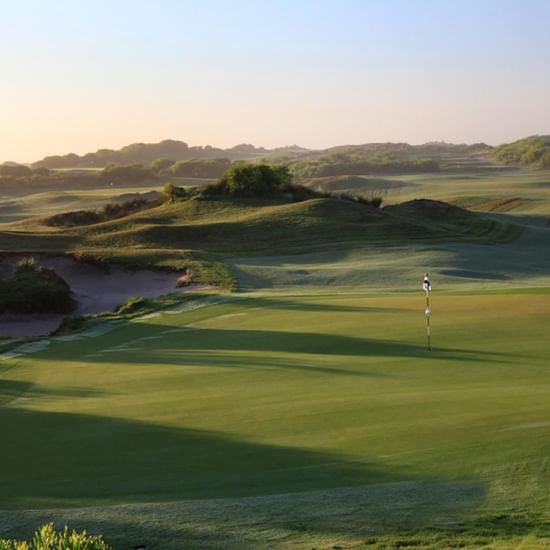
325,307
61,458
176,347
14,389
258,489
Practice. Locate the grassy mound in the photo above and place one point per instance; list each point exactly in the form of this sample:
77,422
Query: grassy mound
247,226
108,212
199,233
34,289
532,151
354,184
452,220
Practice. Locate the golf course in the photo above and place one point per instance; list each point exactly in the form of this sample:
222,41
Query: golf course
275,275
292,401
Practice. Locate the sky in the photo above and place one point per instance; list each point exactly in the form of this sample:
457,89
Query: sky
80,75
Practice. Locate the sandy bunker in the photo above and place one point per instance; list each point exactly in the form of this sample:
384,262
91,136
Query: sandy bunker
96,289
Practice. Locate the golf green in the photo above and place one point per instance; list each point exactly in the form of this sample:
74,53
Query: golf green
234,396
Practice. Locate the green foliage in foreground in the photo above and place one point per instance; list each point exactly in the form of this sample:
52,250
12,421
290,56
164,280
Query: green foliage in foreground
533,151
47,538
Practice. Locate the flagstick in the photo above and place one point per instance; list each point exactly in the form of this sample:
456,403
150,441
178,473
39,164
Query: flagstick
428,318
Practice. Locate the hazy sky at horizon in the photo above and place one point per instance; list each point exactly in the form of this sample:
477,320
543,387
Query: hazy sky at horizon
81,75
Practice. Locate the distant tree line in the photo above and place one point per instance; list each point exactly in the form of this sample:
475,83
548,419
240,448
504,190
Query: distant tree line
353,164
146,153
194,168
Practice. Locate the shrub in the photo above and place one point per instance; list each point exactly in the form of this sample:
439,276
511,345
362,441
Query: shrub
108,212
12,169
36,290
131,304
199,168
26,265
158,165
133,173
70,323
375,202
73,219
254,180
47,538
173,193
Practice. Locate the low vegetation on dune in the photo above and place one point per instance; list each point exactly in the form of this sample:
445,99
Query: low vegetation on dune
252,209
196,168
34,289
109,212
359,163
533,151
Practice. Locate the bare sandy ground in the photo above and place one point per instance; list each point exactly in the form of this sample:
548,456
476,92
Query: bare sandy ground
96,289
14,325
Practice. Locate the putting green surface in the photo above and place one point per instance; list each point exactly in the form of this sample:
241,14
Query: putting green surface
233,397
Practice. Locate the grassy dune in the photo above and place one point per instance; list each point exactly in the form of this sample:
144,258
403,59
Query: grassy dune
269,395
204,235
470,184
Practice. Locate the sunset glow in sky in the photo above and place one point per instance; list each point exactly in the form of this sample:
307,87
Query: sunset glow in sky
81,75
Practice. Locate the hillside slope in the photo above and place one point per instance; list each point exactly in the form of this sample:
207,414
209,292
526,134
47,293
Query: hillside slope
199,234
532,151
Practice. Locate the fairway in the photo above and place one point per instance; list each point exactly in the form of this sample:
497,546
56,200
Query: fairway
235,396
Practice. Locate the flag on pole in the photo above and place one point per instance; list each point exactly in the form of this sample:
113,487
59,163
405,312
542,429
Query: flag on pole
426,285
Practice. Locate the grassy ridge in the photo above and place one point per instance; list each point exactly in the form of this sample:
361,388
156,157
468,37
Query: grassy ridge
226,227
533,151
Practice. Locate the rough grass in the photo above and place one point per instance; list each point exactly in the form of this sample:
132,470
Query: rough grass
201,234
248,398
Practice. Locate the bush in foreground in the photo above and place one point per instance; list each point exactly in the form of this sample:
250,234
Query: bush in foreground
47,538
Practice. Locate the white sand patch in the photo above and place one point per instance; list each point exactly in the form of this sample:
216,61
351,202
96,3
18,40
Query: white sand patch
16,325
108,326
96,289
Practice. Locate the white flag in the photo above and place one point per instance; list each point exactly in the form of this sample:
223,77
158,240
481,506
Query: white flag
426,285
